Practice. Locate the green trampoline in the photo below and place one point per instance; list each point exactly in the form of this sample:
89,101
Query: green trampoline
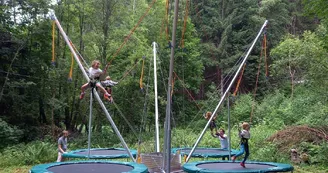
90,167
234,167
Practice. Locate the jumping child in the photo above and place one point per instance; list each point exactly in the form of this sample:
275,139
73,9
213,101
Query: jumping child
94,74
244,137
108,83
207,116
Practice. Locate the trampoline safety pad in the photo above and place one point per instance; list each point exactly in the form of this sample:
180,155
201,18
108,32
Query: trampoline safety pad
230,167
100,153
205,152
90,167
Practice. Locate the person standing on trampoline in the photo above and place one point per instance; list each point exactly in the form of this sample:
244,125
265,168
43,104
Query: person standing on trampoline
244,137
94,75
62,145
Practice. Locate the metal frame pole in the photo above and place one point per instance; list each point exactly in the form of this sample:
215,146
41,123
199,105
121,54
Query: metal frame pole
156,101
90,122
226,92
53,17
167,146
229,128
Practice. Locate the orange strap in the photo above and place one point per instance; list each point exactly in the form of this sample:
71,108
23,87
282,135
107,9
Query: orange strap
142,74
239,80
265,55
71,70
53,43
184,24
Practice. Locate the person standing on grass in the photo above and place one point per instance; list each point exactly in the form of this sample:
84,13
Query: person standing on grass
223,139
62,145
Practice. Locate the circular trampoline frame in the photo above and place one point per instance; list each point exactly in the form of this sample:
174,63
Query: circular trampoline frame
43,168
75,153
205,154
192,167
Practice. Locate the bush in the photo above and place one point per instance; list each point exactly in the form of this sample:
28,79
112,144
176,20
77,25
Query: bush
30,154
8,134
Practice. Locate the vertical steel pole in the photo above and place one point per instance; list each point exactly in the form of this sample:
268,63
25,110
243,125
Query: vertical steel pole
167,147
90,122
156,100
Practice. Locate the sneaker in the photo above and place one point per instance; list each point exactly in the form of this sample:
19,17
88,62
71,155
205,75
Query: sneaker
242,164
82,95
233,158
106,95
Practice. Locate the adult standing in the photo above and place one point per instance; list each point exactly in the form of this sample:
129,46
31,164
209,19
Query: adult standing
62,145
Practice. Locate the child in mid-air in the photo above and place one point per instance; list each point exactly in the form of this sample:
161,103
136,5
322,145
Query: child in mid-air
108,83
244,137
94,74
207,116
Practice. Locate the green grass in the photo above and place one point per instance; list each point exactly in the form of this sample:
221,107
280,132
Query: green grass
22,157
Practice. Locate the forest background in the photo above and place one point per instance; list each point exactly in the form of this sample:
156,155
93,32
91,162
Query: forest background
282,91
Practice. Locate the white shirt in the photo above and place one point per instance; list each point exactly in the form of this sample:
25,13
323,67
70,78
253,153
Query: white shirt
94,73
245,134
223,141
107,83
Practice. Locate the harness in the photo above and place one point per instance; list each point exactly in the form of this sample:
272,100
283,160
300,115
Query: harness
93,82
244,141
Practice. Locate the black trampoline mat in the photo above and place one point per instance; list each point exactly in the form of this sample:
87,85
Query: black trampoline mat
90,168
102,152
206,150
234,166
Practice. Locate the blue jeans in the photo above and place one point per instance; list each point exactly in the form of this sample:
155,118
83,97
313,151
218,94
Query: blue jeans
243,149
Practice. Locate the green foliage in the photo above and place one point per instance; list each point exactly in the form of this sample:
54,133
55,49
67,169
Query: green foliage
316,152
302,57
30,154
9,134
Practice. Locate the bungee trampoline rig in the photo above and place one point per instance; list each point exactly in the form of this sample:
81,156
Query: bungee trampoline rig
133,167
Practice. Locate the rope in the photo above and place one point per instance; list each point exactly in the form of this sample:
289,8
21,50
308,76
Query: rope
126,73
239,80
184,24
166,21
53,43
265,55
263,47
125,119
184,86
80,56
131,32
